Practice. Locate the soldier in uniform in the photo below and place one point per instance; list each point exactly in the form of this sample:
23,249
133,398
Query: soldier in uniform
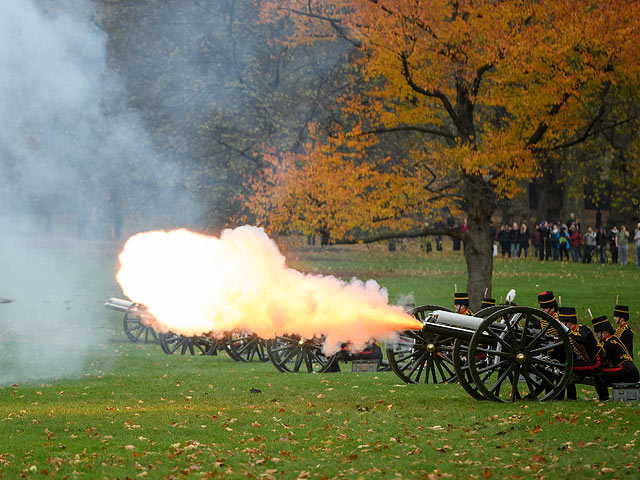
587,353
488,302
619,366
548,303
461,303
623,332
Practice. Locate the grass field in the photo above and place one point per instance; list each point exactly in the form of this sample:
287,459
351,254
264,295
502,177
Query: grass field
121,410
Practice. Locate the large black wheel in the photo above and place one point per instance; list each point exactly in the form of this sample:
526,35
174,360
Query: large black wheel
136,330
485,312
173,343
293,354
246,347
522,359
461,358
422,357
461,366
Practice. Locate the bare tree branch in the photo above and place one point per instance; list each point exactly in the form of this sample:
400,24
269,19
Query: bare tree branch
423,232
429,93
412,128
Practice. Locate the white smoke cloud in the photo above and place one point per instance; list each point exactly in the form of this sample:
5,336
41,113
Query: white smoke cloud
73,156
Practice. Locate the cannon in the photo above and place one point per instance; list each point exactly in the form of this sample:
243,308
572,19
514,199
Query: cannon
245,346
504,354
293,354
137,322
288,353
140,326
420,356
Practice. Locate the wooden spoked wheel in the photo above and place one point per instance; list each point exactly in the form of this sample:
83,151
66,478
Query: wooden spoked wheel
461,358
293,354
422,357
485,312
173,343
136,331
523,360
246,347
461,366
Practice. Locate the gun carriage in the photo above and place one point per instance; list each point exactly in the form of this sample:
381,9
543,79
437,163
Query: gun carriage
288,353
142,327
502,354
137,322
293,354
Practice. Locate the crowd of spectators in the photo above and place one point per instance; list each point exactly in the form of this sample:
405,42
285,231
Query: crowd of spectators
563,241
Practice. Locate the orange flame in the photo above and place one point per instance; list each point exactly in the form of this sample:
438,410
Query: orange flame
196,284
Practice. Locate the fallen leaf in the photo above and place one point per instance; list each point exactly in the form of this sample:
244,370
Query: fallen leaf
535,430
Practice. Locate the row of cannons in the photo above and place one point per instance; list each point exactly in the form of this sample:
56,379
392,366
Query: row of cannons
502,353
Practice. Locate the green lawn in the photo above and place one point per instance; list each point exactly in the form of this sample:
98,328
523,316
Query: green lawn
118,410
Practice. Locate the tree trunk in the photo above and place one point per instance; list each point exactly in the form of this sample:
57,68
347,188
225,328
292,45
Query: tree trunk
549,194
478,244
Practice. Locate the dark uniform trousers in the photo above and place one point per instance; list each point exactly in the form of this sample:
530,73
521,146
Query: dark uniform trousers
588,361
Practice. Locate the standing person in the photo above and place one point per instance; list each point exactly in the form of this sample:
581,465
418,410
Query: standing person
456,240
623,244
613,243
619,366
513,239
636,243
463,228
554,238
623,332
535,241
545,244
523,239
492,234
563,244
575,242
587,352
439,224
589,245
601,244
503,240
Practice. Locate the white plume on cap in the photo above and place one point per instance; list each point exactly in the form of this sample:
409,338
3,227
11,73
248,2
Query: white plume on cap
511,295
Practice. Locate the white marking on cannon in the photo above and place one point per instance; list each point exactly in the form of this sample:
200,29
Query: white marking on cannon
455,319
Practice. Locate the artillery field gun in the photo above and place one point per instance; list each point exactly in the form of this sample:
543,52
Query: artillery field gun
503,353
288,353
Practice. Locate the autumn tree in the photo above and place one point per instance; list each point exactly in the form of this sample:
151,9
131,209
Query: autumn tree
463,99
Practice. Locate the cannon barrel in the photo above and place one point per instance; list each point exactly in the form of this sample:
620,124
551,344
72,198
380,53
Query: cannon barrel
119,304
129,307
455,320
454,325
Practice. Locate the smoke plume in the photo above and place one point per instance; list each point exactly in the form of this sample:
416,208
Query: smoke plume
75,163
195,284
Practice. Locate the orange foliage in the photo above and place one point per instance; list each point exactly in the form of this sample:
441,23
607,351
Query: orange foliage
483,85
